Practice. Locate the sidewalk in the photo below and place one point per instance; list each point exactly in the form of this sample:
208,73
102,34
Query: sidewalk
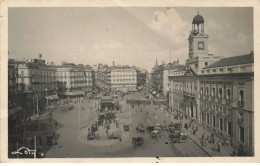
210,149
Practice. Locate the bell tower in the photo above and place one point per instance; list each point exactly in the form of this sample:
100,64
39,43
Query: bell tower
198,45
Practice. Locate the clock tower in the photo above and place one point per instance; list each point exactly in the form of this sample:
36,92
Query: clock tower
199,56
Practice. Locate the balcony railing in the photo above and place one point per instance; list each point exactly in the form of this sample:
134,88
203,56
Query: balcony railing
222,101
241,103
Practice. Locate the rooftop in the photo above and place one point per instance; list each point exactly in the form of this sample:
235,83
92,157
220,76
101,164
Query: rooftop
235,60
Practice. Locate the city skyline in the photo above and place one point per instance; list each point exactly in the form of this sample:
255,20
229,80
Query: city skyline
93,35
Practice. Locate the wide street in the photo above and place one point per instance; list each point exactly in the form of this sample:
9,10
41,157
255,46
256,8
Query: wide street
72,140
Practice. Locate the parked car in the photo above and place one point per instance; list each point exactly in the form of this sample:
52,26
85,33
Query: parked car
155,133
91,136
183,135
150,128
140,128
126,127
175,137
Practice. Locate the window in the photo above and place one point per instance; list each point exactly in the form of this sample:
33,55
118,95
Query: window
228,94
220,92
241,95
221,124
225,125
206,63
196,65
213,92
241,134
229,128
207,90
207,118
214,121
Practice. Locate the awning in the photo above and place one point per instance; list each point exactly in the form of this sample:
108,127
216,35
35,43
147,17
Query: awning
52,97
75,93
55,97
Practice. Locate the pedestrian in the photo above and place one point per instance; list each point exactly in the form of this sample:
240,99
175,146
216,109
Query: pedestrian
194,132
219,143
212,138
56,124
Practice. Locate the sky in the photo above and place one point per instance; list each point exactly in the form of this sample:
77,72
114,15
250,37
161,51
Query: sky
128,36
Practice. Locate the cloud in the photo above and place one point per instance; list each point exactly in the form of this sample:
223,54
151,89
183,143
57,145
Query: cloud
175,30
169,23
107,45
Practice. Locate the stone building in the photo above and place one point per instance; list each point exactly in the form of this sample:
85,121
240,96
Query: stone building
216,93
74,80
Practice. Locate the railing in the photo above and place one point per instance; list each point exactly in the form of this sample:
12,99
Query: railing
228,101
241,103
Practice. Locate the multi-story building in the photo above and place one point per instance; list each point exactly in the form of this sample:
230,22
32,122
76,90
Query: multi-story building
122,79
226,99
169,69
157,77
216,93
14,108
74,80
35,84
142,76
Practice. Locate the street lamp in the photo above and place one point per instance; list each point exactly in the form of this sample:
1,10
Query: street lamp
46,90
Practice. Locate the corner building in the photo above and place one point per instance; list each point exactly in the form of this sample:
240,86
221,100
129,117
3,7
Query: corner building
216,93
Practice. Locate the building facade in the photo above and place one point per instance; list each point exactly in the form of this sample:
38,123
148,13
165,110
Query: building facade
122,79
216,93
74,80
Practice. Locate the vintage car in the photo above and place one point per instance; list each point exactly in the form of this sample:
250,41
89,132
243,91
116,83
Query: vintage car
91,136
171,130
155,134
175,137
126,127
140,128
183,135
137,141
150,128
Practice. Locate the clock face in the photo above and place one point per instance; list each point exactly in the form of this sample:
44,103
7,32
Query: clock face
201,45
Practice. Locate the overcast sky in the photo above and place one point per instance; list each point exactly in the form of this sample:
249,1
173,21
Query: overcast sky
133,36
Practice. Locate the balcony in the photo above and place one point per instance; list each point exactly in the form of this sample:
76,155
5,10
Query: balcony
228,101
241,103
189,94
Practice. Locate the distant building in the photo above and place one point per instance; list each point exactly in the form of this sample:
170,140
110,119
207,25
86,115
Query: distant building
35,84
74,80
122,79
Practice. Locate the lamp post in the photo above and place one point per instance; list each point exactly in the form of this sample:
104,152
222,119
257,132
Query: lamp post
46,90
